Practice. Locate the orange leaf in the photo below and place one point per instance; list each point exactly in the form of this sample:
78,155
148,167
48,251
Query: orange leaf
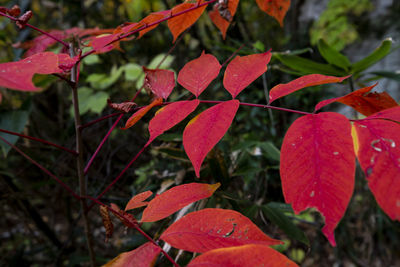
176,198
284,89
197,74
180,23
222,23
126,218
317,166
363,101
275,8
153,17
160,82
107,223
204,131
143,256
140,113
243,256
169,116
379,156
138,200
18,75
242,71
208,229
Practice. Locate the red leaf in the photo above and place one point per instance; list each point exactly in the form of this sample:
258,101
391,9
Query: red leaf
208,229
176,198
306,81
317,166
15,11
222,23
143,256
363,101
275,8
205,130
243,256
377,148
180,23
18,75
153,17
242,71
66,63
197,74
389,114
127,219
138,200
160,82
169,116
140,113
101,43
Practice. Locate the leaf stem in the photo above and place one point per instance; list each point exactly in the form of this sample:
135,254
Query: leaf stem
136,227
66,45
83,126
58,180
233,54
73,152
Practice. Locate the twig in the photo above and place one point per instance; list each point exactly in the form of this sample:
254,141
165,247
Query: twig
233,54
136,227
83,126
58,180
73,152
79,160
66,45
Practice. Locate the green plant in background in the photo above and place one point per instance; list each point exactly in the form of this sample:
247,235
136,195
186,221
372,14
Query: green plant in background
334,25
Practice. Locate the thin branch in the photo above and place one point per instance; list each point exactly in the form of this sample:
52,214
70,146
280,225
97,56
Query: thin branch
260,106
79,160
120,174
66,45
151,24
58,180
233,54
83,126
136,227
73,152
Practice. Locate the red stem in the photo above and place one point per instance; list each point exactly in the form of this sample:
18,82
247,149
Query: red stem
152,24
99,120
41,141
136,227
120,174
37,29
58,180
233,54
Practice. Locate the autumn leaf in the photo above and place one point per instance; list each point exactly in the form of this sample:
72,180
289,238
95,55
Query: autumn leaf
208,229
127,219
284,89
160,82
175,199
18,75
140,113
138,200
123,107
317,167
242,71
363,101
107,223
144,256
223,23
169,116
378,152
180,23
275,8
205,130
242,256
197,74
388,114
151,18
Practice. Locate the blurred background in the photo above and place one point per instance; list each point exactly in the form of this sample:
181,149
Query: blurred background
41,225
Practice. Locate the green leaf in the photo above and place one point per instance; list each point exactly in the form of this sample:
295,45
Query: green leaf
306,66
90,101
379,53
332,56
388,74
14,121
271,150
132,71
164,65
91,59
283,222
103,81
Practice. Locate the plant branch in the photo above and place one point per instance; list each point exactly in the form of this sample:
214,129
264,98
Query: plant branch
233,54
79,160
66,45
120,174
83,126
259,106
58,180
73,152
152,24
136,227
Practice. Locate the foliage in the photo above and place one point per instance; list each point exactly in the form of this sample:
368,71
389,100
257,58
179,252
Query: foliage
317,161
